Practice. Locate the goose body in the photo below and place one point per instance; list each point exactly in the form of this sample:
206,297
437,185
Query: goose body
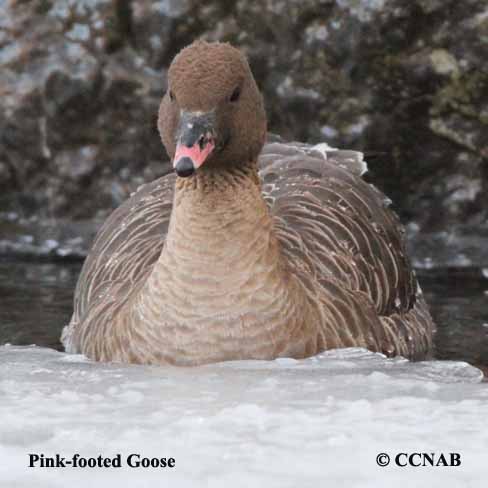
254,251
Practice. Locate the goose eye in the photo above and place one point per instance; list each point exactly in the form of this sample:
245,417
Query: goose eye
171,96
235,95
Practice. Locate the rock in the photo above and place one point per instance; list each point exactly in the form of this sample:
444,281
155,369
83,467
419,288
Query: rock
403,81
79,104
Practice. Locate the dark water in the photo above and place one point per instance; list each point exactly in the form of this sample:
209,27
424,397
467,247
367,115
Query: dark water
36,302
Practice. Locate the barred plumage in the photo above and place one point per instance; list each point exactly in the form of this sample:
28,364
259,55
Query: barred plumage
287,254
335,232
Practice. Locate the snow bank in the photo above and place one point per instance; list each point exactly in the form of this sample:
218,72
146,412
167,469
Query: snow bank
285,423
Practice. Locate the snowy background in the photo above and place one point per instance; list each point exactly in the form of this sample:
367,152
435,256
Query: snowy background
285,423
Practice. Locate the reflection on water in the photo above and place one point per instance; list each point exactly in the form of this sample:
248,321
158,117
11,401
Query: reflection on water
36,302
459,303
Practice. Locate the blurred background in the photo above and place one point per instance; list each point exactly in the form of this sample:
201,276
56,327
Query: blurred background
405,81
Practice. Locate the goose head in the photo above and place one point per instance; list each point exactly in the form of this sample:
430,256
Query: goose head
212,115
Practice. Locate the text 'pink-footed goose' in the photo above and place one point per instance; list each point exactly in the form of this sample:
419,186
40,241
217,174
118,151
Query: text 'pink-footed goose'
252,249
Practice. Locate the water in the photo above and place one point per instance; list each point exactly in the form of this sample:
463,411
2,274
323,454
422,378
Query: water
36,302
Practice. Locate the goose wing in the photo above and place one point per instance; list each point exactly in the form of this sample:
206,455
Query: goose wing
339,235
335,224
127,245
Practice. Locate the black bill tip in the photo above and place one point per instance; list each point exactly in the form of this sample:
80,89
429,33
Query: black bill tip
184,167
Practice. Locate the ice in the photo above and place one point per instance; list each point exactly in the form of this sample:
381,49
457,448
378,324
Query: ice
285,423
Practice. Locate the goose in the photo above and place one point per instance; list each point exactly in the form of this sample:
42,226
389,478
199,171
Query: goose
253,248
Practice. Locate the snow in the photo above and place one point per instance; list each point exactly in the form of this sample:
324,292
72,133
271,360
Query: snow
285,423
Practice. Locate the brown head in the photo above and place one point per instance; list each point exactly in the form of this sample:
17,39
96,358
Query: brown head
212,115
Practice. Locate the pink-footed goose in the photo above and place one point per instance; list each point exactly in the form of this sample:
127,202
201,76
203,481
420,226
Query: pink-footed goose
252,250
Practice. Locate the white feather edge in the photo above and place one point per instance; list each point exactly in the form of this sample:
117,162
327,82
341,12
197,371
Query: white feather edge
354,157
